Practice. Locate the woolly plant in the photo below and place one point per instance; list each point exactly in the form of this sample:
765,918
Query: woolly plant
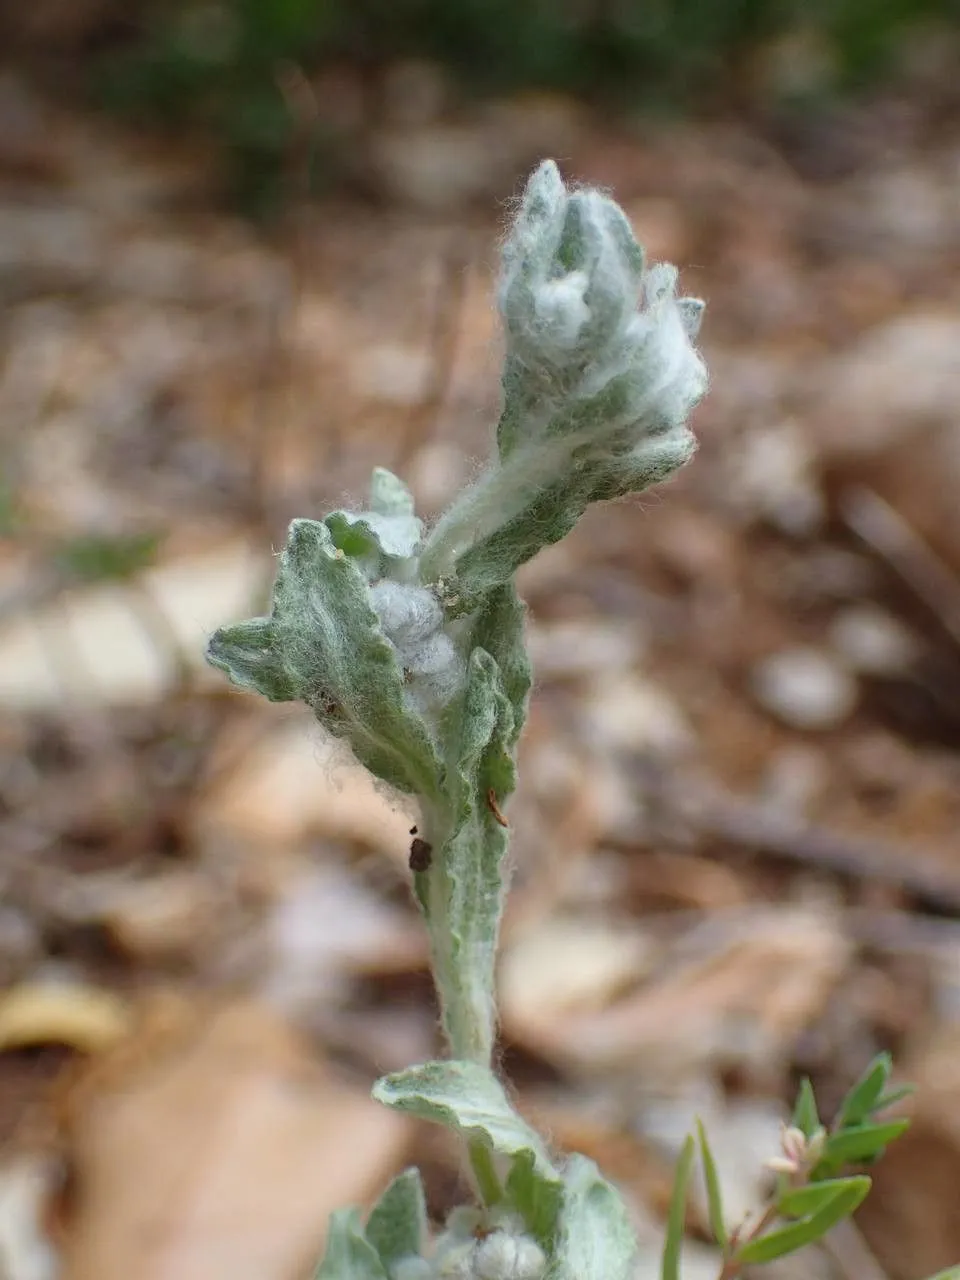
408,644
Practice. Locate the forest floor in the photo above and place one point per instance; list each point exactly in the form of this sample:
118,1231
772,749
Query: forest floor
736,835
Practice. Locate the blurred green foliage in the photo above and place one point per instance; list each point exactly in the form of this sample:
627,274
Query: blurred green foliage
215,63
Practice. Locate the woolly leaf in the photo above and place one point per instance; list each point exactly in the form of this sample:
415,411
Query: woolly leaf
469,1099
389,496
784,1240
537,1196
462,892
365,533
548,514
498,628
866,1093
596,393
398,1221
248,654
324,645
670,1263
349,1255
596,1240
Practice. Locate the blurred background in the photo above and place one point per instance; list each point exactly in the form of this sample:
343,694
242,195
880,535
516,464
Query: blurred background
247,251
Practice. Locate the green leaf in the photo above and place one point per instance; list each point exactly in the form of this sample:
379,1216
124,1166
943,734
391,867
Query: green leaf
776,1244
801,1202
247,653
864,1095
349,1255
99,558
951,1273
389,496
861,1142
676,1218
498,628
398,1221
469,1099
714,1195
596,1239
536,1197
548,513
805,1117
323,644
388,532
893,1096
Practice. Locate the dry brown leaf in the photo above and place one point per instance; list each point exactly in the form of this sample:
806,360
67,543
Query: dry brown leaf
738,990
221,1158
293,783
83,1017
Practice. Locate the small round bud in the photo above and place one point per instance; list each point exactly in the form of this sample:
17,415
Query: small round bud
506,1257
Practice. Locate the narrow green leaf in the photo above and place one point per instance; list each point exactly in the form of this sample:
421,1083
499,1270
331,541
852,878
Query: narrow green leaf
98,557
951,1273
349,1254
596,1238
864,1095
800,1202
893,1096
468,1098
676,1218
397,1224
861,1142
805,1115
776,1244
536,1198
714,1195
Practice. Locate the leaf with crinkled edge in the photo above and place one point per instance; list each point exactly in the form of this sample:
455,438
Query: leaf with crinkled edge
462,891
363,533
324,645
349,1254
248,654
387,533
468,1098
498,628
397,1223
596,1239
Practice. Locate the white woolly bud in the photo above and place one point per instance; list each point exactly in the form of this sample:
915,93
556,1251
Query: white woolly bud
506,1257
561,313
597,391
407,614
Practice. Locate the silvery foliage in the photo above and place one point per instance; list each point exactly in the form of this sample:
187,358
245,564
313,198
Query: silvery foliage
408,645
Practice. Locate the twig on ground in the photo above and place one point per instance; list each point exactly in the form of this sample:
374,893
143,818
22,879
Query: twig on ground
877,524
733,820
